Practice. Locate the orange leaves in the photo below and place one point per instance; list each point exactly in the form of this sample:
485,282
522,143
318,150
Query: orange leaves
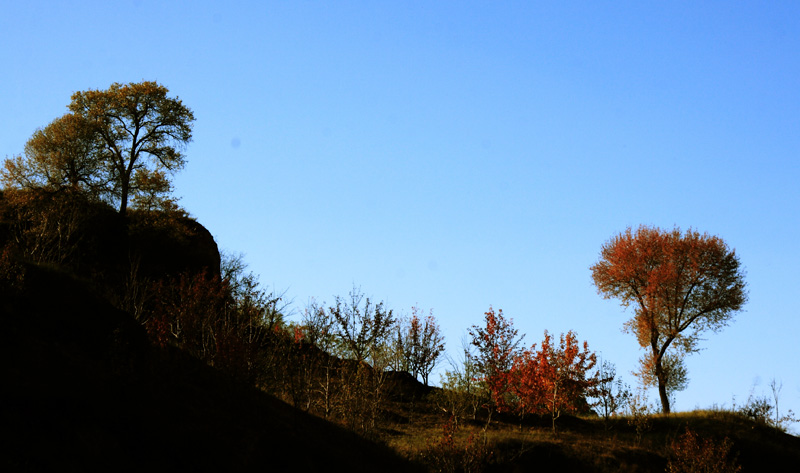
665,273
553,379
679,283
299,334
672,278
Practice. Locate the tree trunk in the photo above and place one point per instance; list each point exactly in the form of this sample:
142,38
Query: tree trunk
662,392
123,201
662,387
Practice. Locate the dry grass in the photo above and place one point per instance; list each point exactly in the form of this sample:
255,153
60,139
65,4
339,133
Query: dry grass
588,443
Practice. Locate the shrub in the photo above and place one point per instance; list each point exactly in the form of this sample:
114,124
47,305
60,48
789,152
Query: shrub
447,456
690,454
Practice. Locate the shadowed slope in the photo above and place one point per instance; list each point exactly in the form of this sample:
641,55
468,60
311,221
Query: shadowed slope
82,388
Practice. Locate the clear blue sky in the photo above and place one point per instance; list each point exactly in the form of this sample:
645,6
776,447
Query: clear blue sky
457,155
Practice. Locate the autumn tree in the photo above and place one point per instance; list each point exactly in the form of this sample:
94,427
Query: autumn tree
680,284
186,310
117,144
141,132
319,331
420,344
227,320
555,378
497,343
252,300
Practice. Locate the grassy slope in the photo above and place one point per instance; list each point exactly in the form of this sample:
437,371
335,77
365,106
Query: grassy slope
589,445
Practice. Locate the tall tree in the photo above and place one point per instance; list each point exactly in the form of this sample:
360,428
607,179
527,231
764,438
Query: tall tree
141,131
681,284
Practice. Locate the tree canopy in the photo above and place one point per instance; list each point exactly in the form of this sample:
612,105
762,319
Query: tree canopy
117,145
681,284
142,131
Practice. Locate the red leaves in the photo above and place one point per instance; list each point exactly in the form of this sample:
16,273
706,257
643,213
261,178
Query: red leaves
554,378
497,348
299,334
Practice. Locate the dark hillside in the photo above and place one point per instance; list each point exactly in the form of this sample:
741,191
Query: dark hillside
83,389
90,239
170,244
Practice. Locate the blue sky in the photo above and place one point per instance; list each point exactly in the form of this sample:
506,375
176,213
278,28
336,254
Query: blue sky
457,155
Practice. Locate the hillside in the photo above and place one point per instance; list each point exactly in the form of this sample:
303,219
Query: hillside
86,386
83,388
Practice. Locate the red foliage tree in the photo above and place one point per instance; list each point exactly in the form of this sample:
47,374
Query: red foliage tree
554,379
497,343
680,285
